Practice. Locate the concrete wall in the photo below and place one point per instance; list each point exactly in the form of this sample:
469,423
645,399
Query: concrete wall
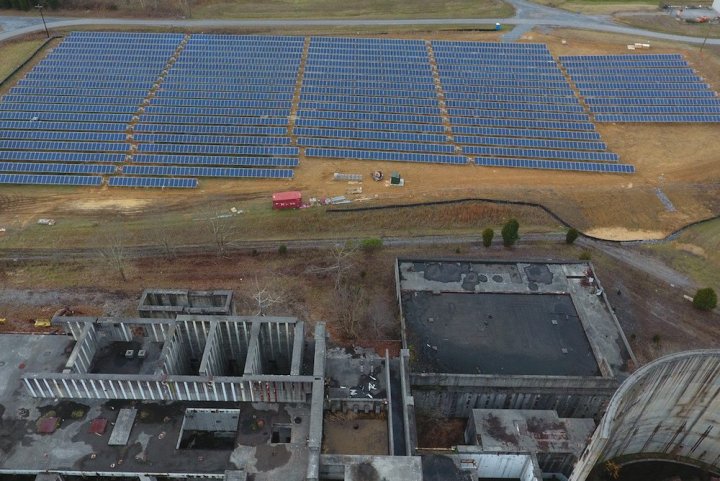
497,465
168,303
193,364
668,409
456,395
170,388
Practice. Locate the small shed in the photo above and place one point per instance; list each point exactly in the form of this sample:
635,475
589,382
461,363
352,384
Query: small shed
287,200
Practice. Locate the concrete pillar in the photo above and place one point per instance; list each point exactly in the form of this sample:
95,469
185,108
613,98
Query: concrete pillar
253,363
316,406
297,349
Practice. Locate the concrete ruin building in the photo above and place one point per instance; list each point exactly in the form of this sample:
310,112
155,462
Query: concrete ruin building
528,355
211,396
509,335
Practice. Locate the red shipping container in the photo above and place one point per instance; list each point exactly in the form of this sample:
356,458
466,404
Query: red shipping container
287,200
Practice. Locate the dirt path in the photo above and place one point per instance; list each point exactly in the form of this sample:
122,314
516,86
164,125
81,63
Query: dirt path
649,265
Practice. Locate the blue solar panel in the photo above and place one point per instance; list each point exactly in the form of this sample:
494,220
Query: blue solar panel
218,149
215,160
525,142
48,156
50,179
152,182
642,88
386,156
208,171
212,139
71,146
540,153
556,165
56,168
375,145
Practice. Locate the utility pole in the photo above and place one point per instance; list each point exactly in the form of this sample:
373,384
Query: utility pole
40,8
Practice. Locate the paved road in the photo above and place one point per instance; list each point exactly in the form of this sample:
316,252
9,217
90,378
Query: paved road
528,15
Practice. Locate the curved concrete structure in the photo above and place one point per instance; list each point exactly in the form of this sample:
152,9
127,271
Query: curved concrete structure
667,410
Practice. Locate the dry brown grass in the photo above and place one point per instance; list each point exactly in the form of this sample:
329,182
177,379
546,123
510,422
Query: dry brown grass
661,22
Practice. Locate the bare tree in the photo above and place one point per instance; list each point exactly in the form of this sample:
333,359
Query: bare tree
351,308
378,317
112,250
265,296
222,229
342,263
163,238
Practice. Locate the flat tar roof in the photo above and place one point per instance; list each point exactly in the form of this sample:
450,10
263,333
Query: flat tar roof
509,318
515,334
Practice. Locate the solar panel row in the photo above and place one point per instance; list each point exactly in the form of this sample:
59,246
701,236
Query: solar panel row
211,129
540,153
386,156
525,133
56,168
165,138
207,171
370,135
152,182
657,118
63,146
642,88
51,135
556,165
50,179
375,145
215,160
373,126
538,143
73,127
506,105
45,156
374,107
219,149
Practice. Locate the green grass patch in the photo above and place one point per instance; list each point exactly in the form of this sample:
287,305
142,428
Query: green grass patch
695,253
259,222
14,54
370,9
667,24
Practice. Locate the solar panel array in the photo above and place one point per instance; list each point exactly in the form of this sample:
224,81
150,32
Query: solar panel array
224,103
510,106
52,116
168,106
218,106
371,99
642,88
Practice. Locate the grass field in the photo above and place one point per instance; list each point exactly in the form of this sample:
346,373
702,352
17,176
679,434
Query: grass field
695,253
352,9
315,9
665,23
600,7
13,54
83,224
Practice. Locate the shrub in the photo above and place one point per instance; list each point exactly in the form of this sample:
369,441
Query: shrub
371,244
282,250
585,256
487,237
510,232
705,299
571,235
